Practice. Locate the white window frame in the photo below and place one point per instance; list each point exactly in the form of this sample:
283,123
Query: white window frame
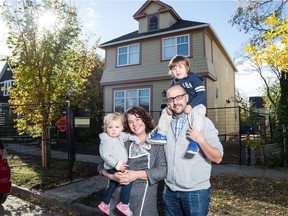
127,95
174,46
129,54
6,85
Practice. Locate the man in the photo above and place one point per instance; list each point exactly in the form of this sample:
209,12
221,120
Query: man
187,186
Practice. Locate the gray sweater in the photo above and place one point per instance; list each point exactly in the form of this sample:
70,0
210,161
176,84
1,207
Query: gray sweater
189,174
143,195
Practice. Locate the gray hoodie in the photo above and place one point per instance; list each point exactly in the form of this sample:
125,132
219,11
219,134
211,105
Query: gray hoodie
189,174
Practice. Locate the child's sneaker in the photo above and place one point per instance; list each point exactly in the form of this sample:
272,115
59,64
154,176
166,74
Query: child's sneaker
157,139
124,209
193,147
104,208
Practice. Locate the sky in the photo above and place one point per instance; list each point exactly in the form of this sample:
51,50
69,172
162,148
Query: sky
109,19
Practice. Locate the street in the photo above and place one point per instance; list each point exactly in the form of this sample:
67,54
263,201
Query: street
16,206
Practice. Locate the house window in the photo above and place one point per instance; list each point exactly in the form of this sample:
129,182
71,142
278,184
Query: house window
125,99
7,84
153,23
175,46
128,55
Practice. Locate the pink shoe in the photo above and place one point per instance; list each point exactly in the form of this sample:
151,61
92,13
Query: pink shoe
124,209
104,208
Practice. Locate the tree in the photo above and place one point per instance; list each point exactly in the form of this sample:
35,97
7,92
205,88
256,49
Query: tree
266,22
51,64
274,53
251,15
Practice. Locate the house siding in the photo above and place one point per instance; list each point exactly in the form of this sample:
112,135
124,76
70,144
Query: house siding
197,45
226,84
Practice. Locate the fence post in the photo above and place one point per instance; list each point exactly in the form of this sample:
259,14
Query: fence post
240,140
284,146
70,139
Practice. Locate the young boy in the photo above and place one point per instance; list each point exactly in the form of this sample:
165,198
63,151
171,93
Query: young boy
193,84
115,155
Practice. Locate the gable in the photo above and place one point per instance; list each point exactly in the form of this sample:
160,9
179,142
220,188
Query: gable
6,73
165,15
154,7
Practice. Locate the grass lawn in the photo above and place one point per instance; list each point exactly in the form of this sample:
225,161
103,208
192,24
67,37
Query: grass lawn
248,196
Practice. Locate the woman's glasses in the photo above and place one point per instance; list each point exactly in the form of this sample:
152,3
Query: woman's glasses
177,98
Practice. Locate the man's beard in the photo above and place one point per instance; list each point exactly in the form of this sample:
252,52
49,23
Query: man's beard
179,110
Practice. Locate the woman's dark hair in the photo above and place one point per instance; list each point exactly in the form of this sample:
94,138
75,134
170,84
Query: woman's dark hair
141,113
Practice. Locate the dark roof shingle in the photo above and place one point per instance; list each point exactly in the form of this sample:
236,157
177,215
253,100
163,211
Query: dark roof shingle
182,24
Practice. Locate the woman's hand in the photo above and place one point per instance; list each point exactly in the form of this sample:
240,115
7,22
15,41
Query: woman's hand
132,175
127,177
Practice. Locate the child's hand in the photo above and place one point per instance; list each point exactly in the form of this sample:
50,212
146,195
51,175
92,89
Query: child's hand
188,109
169,110
123,167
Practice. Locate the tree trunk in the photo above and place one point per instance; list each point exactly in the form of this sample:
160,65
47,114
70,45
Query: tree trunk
46,148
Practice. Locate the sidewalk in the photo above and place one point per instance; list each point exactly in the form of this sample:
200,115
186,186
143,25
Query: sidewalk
66,196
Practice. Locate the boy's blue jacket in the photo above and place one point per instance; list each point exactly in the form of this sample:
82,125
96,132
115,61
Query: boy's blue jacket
194,87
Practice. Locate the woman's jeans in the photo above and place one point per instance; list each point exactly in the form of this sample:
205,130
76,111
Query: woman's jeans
186,203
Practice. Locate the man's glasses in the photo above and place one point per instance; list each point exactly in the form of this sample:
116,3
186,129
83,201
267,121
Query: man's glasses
177,98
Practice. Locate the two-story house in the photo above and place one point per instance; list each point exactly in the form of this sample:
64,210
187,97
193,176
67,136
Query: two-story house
136,64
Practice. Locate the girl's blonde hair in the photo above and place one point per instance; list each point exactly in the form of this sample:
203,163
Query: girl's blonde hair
112,117
176,60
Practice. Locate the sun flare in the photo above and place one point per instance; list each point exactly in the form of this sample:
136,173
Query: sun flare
47,21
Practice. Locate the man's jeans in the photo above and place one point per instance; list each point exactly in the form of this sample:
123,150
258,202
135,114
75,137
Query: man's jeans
186,203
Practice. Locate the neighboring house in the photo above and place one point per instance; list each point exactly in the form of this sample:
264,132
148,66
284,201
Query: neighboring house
136,68
258,104
262,120
6,80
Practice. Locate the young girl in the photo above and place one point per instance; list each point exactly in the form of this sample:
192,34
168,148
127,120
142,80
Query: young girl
193,84
115,155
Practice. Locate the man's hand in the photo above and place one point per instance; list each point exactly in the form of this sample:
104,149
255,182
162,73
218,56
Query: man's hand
195,135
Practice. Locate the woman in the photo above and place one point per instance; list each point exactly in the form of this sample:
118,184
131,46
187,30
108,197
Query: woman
147,166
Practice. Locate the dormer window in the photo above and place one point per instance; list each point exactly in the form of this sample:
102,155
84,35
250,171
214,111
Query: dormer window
153,23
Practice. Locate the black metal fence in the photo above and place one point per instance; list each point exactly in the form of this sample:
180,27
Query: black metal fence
28,149
83,138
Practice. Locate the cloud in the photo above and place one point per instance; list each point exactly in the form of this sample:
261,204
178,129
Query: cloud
248,81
